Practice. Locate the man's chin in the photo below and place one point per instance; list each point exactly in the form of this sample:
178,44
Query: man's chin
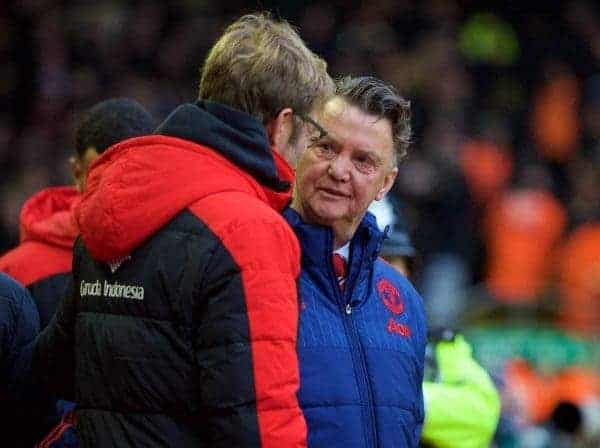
325,217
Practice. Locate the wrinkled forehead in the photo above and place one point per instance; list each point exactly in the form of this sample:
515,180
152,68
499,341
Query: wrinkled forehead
347,124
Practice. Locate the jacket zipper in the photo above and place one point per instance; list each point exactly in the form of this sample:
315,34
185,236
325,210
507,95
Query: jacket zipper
364,378
360,365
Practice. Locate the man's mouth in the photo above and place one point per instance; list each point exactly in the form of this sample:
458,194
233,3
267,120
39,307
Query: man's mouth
333,192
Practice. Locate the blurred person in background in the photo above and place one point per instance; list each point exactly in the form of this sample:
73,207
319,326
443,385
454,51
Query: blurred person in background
362,333
523,228
552,409
23,414
104,125
555,121
42,261
435,192
578,266
181,330
397,249
462,404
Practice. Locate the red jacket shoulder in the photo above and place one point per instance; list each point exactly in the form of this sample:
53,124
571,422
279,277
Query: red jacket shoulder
32,261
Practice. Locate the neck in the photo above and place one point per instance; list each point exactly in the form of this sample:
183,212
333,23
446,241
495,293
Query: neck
343,230
342,233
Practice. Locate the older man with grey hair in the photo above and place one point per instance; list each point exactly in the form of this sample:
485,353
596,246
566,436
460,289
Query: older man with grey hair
362,332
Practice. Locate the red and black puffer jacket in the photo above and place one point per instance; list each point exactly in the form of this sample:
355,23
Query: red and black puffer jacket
182,326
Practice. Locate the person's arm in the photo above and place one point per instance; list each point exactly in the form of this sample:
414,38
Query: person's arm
22,403
19,325
463,408
53,361
247,326
52,353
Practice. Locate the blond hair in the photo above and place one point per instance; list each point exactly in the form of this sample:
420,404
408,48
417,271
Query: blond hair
261,66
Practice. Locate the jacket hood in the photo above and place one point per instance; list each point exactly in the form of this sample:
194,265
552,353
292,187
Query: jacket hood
48,217
140,184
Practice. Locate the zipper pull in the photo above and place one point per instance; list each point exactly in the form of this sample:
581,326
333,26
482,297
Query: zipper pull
348,309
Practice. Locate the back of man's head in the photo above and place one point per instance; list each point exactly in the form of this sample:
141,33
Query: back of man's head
374,96
261,66
110,122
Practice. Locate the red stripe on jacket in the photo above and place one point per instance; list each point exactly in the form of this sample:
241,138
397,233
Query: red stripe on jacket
267,252
57,432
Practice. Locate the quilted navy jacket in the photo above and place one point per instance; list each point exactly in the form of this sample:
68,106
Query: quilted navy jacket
361,351
23,412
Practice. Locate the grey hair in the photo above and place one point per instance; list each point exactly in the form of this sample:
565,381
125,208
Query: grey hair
374,96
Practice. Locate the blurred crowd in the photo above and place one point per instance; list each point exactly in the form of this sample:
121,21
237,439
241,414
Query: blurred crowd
500,192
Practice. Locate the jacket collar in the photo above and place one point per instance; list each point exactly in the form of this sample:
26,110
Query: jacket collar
236,135
316,242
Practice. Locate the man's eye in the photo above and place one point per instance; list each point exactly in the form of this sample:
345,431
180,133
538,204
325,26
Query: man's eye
365,164
325,149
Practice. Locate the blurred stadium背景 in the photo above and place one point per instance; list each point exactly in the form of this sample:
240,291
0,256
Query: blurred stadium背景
500,192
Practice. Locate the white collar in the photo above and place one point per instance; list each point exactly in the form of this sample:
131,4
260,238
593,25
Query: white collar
344,251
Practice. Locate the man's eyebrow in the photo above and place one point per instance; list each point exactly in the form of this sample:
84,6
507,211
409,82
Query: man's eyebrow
372,155
322,131
327,138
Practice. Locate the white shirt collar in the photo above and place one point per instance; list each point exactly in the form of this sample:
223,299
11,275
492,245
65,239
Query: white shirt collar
344,251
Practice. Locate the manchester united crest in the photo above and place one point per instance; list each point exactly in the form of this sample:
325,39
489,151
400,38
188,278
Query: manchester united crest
390,296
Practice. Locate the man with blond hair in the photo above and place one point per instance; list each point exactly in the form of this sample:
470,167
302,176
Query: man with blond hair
181,329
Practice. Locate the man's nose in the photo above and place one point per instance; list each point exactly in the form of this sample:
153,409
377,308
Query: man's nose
339,168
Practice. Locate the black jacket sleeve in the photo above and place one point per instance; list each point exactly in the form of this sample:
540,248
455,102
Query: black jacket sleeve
52,358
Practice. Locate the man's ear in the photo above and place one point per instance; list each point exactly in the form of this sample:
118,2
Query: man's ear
280,130
80,166
78,172
388,182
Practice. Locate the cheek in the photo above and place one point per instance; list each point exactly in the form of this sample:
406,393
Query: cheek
308,177
364,193
299,148
302,142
